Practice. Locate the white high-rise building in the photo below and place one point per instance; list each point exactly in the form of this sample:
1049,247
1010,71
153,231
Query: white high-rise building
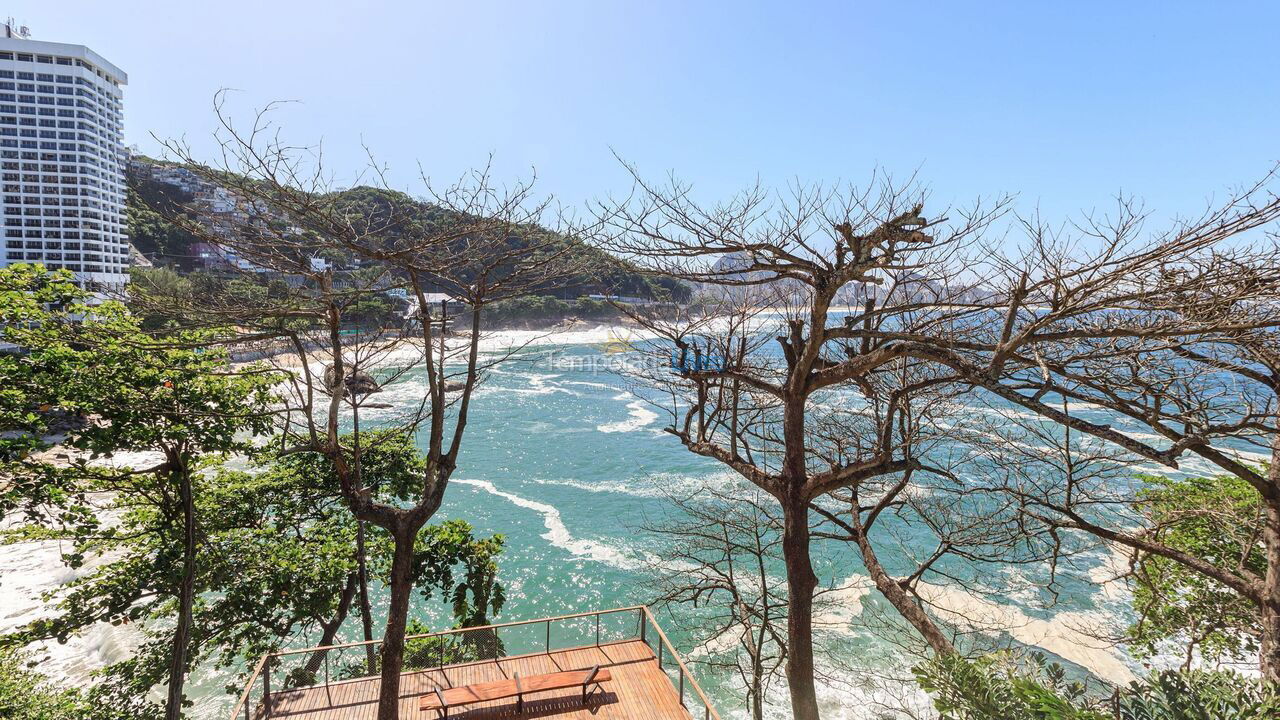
63,159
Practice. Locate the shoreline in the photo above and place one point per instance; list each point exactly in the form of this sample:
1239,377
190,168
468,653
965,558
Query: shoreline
499,339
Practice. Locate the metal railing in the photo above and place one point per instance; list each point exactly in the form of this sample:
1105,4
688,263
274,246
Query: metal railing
337,664
683,676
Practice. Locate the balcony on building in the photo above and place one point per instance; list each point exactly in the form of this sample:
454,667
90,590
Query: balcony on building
647,678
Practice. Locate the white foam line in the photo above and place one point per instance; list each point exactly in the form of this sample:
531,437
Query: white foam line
658,485
558,534
584,383
538,385
1068,634
639,416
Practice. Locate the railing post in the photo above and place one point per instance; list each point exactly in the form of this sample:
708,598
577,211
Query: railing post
643,626
597,629
266,688
326,669
440,653
659,656
548,637
681,687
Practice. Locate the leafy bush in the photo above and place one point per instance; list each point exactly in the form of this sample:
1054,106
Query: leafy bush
998,688
27,695
1217,519
1199,695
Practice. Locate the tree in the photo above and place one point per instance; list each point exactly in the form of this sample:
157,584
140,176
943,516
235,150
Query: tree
938,314
283,553
756,379
158,281
143,394
473,242
29,295
288,549
1193,374
718,551
25,694
1216,519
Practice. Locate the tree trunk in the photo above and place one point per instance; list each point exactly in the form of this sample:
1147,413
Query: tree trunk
366,616
330,628
755,648
801,583
756,693
397,618
366,613
186,597
898,597
1269,660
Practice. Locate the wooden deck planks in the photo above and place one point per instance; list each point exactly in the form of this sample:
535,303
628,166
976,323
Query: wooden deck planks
639,691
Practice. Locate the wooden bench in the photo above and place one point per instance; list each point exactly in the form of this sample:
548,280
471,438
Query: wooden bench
517,687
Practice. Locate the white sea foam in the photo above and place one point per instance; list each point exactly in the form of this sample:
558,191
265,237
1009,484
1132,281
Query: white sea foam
1068,635
621,487
863,692
584,383
537,384
558,533
639,416
656,485
503,341
32,569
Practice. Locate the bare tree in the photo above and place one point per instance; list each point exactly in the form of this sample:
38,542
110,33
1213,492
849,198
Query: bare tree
1171,335
777,269
719,554
472,240
937,311
1198,379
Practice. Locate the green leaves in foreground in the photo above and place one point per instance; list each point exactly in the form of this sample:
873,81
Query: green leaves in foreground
997,688
25,694
29,296
1217,519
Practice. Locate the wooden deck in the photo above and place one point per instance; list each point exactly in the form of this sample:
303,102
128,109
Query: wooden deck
640,690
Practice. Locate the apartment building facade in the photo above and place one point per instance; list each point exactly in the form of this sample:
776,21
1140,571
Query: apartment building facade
62,159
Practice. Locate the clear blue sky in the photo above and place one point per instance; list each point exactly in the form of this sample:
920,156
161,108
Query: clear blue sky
1064,103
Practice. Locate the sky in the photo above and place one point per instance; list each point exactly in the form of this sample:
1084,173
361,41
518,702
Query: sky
1064,104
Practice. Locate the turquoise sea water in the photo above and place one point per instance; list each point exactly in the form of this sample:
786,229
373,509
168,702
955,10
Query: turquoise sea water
565,460
568,463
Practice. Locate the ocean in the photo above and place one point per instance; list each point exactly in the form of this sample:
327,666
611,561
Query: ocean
565,459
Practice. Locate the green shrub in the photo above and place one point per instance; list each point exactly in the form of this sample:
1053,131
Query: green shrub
27,695
998,687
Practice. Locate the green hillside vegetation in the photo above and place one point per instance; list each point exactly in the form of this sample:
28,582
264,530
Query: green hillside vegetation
150,231
543,308
603,274
150,202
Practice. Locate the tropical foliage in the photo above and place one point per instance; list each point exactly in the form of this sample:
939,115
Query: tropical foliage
1217,519
25,694
999,687
180,518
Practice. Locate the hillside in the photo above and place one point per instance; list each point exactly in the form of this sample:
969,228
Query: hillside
149,199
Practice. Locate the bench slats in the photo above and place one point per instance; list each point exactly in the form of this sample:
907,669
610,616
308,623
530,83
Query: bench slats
500,689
